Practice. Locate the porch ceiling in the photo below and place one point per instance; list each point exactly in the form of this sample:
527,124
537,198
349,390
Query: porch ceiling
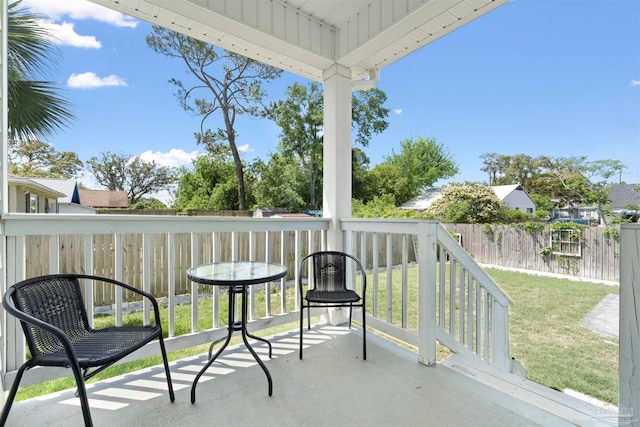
309,37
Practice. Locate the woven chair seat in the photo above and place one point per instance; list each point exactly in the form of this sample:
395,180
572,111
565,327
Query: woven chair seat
332,296
99,347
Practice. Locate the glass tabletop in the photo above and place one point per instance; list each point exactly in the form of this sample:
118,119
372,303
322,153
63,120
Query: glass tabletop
236,273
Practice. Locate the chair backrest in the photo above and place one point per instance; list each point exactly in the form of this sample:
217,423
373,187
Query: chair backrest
329,271
56,300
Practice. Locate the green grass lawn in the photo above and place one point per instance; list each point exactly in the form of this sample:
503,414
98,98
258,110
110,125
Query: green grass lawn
545,335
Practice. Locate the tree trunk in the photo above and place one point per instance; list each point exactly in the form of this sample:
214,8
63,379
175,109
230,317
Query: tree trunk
242,202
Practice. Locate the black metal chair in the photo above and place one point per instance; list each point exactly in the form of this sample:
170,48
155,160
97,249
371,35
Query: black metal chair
327,287
55,324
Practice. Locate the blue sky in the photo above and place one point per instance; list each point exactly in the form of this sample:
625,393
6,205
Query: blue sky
557,78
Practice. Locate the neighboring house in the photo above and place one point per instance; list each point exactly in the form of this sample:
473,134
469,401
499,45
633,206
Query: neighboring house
515,197
70,202
26,195
588,214
625,199
424,200
104,199
269,212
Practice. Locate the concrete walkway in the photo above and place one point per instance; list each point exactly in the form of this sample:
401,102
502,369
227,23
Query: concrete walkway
605,316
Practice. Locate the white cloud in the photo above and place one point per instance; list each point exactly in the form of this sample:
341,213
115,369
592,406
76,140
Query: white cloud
90,80
398,111
635,83
245,148
174,158
79,9
65,34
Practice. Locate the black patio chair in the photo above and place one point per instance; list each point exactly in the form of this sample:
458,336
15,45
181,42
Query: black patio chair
327,287
54,321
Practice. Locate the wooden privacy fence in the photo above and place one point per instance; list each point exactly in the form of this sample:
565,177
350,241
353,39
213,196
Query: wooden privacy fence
513,246
72,256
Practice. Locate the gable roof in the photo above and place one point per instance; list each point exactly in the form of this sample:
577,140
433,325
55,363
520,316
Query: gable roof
502,191
103,198
69,187
623,195
424,200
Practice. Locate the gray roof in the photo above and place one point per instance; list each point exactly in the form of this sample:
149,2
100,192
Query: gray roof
623,195
424,200
66,186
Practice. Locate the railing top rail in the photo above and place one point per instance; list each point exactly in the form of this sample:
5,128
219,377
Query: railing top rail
43,224
407,226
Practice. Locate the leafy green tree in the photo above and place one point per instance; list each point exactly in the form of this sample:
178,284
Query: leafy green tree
117,171
231,83
281,184
467,203
34,158
36,109
419,164
300,118
209,185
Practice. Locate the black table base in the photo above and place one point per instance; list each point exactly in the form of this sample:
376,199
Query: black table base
233,327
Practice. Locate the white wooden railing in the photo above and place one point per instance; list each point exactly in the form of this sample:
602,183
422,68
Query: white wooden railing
450,299
458,304
18,227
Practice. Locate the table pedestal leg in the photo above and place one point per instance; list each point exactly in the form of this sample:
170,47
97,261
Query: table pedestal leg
233,326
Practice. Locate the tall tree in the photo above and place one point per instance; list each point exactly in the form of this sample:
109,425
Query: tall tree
34,158
36,109
300,118
232,84
209,185
117,171
419,164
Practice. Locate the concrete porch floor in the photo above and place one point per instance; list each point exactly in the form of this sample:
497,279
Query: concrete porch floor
332,386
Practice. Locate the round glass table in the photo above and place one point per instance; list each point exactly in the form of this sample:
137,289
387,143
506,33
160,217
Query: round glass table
237,276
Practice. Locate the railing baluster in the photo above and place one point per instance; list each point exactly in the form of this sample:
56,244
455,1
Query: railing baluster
88,266
171,284
389,278
375,251
146,275
117,267
216,289
194,286
405,282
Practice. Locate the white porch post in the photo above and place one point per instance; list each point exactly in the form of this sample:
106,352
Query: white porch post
629,388
336,152
336,197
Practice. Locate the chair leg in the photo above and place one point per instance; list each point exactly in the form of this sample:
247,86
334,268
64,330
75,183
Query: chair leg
82,394
163,350
12,394
301,327
364,332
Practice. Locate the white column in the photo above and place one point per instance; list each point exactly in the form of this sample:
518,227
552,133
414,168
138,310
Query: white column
629,379
336,152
